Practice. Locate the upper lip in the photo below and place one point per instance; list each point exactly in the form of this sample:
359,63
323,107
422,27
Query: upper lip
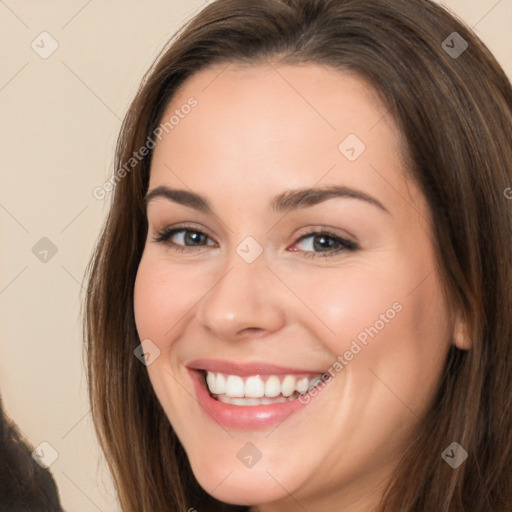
246,368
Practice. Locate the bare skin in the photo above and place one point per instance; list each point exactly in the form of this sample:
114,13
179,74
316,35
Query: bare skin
255,133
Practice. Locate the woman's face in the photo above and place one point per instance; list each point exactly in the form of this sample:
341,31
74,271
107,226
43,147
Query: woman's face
298,248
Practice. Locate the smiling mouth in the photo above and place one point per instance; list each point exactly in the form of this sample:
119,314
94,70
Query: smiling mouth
258,389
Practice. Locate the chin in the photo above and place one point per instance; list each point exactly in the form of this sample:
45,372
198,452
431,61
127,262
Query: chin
239,486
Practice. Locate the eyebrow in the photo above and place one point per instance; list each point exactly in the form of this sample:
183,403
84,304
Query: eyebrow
285,202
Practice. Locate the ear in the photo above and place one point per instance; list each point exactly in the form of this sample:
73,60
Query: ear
461,334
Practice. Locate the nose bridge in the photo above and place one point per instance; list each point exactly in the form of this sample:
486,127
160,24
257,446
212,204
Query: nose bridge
241,298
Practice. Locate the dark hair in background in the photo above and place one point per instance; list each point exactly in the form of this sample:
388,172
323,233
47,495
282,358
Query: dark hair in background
456,118
24,485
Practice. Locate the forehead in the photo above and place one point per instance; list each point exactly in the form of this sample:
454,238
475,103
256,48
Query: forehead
279,126
287,103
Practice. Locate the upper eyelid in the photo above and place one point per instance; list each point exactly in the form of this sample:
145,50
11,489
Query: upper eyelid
314,228
184,227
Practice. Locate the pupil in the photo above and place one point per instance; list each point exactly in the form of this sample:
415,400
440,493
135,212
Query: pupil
193,237
326,242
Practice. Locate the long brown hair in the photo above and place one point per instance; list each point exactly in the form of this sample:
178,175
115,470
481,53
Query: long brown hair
454,106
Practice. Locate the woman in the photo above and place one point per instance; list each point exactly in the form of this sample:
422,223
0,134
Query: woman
301,296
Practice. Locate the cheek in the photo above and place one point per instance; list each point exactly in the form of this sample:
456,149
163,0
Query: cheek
345,302
389,317
162,297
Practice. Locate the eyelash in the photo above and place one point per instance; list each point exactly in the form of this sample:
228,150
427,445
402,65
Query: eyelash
345,245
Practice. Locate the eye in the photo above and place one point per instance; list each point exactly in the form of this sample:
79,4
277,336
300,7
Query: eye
183,238
324,244
315,244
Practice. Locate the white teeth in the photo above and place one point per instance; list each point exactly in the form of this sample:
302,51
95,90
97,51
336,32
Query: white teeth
220,384
272,386
256,391
211,381
216,383
254,387
234,386
251,401
302,385
288,385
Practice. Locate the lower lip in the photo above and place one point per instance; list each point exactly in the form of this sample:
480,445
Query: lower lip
245,417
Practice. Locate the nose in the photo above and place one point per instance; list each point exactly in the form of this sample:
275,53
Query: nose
245,302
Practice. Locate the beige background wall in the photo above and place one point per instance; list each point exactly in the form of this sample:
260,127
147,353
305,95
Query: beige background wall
59,121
